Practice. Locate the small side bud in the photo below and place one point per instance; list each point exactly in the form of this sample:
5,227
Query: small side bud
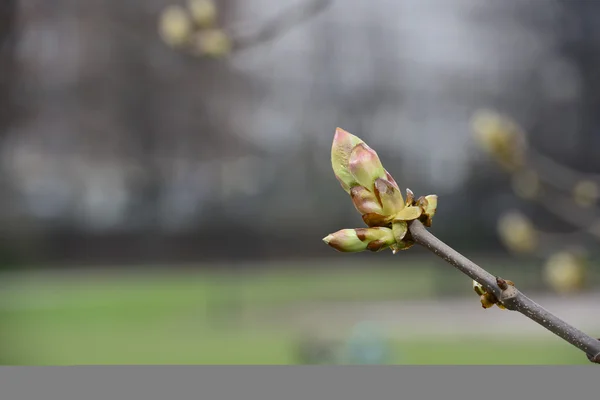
431,206
478,288
486,301
360,239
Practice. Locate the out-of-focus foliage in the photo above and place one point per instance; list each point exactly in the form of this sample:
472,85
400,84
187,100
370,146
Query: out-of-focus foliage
517,232
586,193
193,29
564,270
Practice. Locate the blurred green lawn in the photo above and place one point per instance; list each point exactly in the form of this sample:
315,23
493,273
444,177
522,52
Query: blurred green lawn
181,319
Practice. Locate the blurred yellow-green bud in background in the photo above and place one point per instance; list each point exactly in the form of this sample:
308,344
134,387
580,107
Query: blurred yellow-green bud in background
212,43
565,271
175,25
526,184
203,12
501,138
517,232
586,193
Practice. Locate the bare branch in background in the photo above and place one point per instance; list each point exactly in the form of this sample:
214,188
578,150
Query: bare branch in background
558,175
569,195
505,141
195,30
282,23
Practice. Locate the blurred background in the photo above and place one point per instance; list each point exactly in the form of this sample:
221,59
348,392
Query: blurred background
166,180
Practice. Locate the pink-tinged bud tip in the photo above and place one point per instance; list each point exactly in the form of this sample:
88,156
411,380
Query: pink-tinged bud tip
343,143
361,239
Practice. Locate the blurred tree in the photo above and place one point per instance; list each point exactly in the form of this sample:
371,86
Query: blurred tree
8,13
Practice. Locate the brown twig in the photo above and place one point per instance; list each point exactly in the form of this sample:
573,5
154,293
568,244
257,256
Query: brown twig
509,296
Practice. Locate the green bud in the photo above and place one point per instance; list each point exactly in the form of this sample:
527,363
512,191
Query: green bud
389,197
365,166
478,288
343,143
365,201
431,205
360,239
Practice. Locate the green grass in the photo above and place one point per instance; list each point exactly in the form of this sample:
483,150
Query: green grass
83,343
182,319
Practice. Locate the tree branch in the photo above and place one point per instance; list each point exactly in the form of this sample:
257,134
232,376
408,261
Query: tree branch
282,23
509,296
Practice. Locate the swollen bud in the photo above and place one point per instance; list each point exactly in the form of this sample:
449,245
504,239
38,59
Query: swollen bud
365,166
360,239
343,143
377,196
488,299
390,198
364,201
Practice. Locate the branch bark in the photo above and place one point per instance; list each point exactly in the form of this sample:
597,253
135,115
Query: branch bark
509,296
